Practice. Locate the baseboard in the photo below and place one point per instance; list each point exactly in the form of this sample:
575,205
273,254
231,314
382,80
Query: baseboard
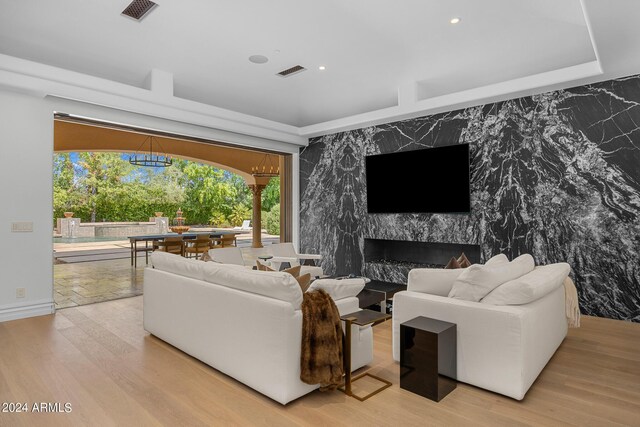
35,308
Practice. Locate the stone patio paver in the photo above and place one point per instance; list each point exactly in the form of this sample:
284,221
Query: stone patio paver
97,281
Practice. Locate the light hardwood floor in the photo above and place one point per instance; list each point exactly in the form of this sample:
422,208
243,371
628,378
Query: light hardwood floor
99,359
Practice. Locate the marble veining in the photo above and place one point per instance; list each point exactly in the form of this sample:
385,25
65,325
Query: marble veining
556,175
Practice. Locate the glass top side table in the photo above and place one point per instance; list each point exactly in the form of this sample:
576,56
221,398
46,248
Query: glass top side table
360,318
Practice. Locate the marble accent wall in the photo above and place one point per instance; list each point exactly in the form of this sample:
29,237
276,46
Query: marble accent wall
556,175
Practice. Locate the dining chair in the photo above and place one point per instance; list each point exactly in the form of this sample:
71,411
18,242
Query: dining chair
198,246
225,241
172,245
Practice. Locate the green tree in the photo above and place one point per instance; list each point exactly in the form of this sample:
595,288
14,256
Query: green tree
243,194
164,191
64,189
271,194
104,186
101,180
63,174
207,192
218,219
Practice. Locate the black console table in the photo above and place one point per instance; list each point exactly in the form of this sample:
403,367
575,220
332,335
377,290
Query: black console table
377,291
428,357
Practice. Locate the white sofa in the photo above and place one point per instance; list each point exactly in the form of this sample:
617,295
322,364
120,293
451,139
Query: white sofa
502,348
244,323
231,255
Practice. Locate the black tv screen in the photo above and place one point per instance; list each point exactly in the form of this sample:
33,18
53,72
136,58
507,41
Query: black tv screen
434,180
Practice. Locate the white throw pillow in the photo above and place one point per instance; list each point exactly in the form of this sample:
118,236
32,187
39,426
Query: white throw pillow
273,284
497,259
176,264
478,280
530,287
338,289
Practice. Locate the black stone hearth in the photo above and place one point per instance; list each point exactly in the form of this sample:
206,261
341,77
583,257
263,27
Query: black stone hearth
426,254
391,260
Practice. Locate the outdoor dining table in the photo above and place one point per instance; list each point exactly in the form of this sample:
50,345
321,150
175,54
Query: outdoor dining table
134,240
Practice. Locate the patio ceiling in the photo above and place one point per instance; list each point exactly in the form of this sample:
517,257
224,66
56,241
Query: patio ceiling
73,136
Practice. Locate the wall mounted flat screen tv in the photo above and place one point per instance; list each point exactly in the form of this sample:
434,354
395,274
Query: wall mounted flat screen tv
433,180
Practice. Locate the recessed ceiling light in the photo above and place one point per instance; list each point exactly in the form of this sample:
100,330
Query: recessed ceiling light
322,68
454,20
258,59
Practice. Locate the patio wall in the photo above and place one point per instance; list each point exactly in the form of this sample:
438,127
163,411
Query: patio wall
73,227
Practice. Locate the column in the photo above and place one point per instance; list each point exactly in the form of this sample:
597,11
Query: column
286,198
256,219
68,227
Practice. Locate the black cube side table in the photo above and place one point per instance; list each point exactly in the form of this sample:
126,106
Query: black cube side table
428,357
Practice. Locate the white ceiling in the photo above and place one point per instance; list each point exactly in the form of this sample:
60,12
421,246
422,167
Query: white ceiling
370,47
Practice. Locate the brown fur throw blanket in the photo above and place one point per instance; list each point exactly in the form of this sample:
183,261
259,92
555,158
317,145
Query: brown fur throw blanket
321,356
571,306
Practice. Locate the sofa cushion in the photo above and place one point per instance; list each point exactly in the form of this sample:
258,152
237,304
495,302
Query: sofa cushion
304,280
338,289
294,271
497,259
463,261
478,280
530,287
434,281
176,264
273,284
313,270
230,255
453,264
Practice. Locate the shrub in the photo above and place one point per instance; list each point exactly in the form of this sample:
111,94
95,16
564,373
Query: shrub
217,219
272,220
238,214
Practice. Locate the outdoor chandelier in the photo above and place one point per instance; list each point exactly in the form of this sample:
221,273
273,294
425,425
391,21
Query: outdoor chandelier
266,168
142,157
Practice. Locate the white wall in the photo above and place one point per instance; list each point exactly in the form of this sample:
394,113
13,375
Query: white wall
26,141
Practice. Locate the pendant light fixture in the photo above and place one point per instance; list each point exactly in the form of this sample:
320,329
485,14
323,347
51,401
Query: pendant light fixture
149,158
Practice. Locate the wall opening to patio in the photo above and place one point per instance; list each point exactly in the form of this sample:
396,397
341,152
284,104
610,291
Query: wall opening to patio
100,201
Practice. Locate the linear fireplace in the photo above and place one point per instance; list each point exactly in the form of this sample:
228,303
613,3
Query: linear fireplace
391,260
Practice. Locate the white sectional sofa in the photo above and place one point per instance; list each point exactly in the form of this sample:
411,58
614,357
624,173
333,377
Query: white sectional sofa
502,348
246,324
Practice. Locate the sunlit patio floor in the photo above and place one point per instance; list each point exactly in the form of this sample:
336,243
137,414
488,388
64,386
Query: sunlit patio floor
90,282
80,283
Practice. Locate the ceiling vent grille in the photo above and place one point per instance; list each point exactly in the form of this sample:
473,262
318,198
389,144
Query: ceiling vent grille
291,71
138,9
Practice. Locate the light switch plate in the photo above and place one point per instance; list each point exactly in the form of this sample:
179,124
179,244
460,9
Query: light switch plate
22,227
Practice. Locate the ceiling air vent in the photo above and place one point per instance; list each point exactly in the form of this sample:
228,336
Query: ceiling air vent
291,71
138,9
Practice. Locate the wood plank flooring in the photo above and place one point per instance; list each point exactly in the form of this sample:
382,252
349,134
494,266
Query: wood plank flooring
100,360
